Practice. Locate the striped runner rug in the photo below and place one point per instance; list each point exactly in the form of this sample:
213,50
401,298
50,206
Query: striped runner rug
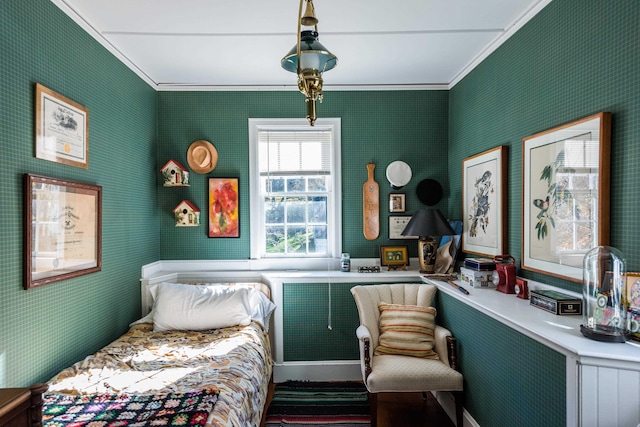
309,403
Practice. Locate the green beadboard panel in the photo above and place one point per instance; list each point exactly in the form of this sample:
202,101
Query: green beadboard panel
377,126
573,59
509,379
45,329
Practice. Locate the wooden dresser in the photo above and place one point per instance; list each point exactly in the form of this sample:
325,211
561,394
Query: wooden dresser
21,407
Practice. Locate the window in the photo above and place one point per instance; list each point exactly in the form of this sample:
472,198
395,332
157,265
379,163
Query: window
295,188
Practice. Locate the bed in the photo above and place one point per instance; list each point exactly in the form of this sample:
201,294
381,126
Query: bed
201,357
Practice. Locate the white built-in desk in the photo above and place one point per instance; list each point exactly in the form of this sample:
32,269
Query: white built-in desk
603,379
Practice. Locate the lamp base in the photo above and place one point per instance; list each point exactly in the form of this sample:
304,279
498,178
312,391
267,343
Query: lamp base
427,255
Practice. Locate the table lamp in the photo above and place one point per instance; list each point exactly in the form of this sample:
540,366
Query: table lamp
428,223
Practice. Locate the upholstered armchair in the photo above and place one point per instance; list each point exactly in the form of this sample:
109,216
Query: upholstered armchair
390,362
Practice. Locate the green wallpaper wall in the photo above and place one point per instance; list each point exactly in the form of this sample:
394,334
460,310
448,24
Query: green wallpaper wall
45,329
378,126
509,379
574,59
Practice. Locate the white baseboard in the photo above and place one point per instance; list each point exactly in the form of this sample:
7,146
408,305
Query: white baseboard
446,400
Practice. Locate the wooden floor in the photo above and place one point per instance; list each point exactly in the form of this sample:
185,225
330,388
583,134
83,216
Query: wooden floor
410,410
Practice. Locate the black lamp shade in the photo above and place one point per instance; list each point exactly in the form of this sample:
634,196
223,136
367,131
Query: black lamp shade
428,222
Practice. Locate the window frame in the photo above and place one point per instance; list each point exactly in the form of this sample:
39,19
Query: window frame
334,199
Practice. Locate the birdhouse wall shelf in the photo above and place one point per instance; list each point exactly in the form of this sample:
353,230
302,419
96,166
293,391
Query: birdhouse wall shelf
186,214
174,174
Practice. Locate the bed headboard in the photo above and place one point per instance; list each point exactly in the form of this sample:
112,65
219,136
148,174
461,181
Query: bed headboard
242,280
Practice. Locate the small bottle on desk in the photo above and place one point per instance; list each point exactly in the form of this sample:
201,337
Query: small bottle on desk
345,263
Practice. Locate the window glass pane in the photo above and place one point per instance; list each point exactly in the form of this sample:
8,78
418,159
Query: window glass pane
317,209
296,185
296,210
275,185
296,239
275,241
318,184
318,239
274,210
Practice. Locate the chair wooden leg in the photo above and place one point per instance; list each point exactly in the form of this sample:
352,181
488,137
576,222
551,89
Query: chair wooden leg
459,397
373,408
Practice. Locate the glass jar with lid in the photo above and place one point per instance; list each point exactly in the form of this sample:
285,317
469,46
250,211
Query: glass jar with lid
604,314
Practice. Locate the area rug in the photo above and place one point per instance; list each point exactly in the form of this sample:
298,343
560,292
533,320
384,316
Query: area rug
308,403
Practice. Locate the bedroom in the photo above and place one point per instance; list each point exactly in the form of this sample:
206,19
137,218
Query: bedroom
530,84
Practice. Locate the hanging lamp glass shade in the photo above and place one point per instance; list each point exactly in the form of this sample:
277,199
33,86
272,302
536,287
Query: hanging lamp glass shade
313,55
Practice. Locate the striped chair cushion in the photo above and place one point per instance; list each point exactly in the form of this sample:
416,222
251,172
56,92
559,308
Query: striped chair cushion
406,330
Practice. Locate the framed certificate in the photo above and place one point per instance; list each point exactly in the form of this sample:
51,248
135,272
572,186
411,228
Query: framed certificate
61,129
62,230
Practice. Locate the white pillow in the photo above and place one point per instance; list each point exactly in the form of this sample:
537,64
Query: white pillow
188,307
261,307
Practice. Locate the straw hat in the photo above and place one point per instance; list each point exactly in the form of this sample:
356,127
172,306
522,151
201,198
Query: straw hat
202,156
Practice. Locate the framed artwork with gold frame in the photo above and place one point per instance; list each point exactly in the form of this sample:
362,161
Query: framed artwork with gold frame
565,196
484,207
394,256
61,129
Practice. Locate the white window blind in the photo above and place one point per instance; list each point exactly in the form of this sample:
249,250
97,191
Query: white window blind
285,152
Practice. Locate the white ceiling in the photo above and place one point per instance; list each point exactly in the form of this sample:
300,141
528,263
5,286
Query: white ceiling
215,44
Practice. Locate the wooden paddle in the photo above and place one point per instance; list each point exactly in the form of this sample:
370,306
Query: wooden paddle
371,205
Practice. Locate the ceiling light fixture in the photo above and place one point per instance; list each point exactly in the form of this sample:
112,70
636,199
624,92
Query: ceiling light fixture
309,59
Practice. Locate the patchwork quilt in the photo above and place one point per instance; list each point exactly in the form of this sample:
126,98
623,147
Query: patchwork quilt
118,410
235,362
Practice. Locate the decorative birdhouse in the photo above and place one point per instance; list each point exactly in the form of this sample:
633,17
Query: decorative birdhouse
175,175
187,214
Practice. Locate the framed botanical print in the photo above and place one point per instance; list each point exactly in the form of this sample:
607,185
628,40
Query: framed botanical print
484,192
565,195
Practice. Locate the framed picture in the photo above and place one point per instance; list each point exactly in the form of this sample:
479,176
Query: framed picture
394,256
484,204
62,230
397,225
633,290
397,202
61,129
224,220
633,303
566,195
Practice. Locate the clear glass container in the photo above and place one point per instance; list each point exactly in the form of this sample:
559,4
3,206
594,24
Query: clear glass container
604,314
